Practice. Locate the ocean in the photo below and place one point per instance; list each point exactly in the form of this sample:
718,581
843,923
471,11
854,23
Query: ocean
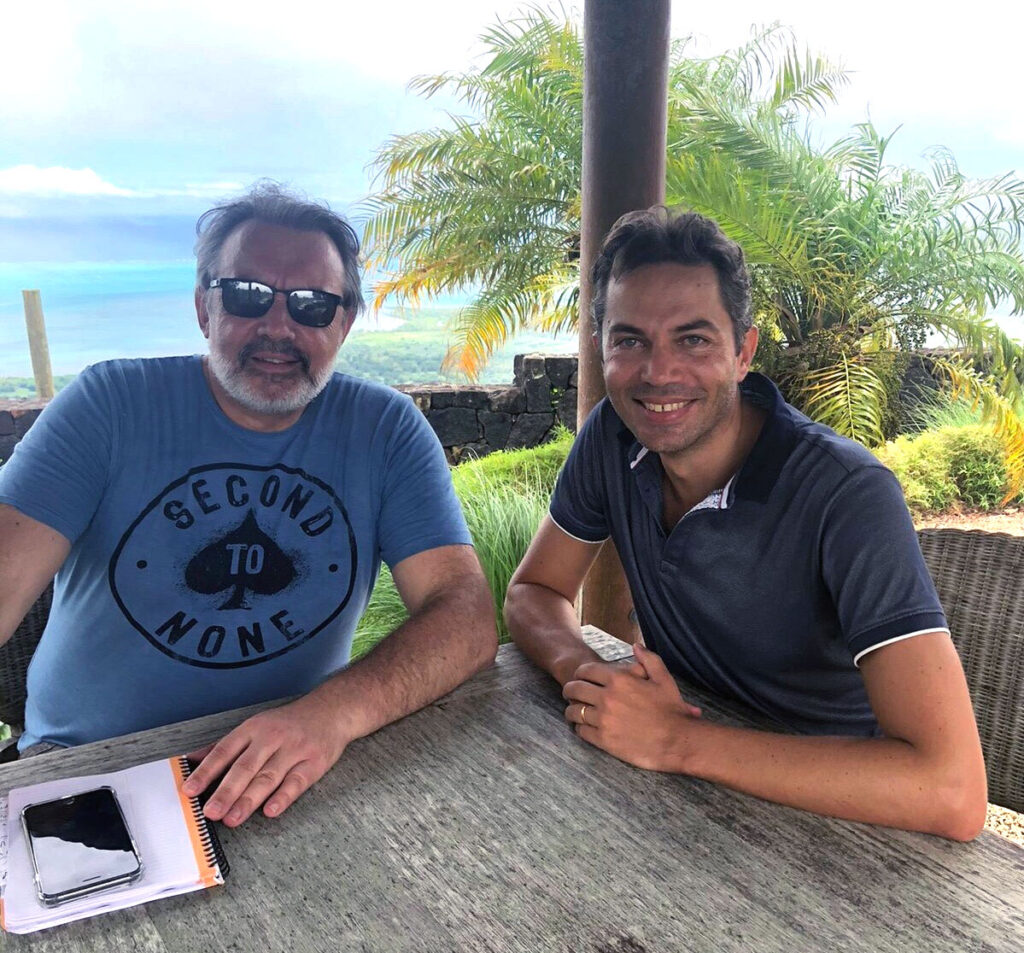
96,311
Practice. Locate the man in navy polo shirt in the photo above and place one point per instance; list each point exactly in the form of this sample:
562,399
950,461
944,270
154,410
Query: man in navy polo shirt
769,560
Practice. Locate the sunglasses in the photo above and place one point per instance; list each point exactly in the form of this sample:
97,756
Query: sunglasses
253,299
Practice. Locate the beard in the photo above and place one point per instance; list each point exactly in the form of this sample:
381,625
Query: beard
243,383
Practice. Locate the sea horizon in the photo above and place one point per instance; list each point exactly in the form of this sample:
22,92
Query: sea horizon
96,311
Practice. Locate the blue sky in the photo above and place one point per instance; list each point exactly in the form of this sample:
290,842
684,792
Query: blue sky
121,121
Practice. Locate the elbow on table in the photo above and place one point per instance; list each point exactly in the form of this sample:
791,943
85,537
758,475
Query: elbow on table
960,808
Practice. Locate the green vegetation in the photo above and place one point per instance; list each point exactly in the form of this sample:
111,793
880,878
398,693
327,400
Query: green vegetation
504,496
20,388
948,466
854,259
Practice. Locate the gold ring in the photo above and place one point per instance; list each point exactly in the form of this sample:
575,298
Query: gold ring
583,714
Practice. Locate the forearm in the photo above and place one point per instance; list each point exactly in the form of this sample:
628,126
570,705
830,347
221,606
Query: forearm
544,625
449,639
875,780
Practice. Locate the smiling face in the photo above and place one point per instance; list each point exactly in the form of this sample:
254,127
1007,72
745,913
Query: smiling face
670,363
264,371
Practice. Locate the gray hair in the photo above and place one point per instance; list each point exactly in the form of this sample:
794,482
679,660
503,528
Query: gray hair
271,203
656,235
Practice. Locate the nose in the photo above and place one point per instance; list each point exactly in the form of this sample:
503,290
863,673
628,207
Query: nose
659,366
277,324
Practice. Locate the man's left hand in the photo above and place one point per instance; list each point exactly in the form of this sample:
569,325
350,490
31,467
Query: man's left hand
633,712
272,757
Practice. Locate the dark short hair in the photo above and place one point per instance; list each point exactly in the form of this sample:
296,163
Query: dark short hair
657,235
271,203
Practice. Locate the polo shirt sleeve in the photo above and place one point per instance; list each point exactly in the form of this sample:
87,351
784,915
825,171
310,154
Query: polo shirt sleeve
872,564
419,509
578,504
59,470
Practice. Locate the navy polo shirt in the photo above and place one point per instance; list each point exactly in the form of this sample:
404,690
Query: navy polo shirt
812,563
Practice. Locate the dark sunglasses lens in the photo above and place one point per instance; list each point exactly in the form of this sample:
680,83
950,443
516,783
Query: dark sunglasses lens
246,299
315,309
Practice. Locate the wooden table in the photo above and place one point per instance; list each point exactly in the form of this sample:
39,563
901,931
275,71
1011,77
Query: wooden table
482,823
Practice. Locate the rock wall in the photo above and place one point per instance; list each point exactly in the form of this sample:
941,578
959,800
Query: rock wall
16,416
474,421
469,421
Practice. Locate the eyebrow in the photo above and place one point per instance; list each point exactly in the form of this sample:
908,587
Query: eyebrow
700,324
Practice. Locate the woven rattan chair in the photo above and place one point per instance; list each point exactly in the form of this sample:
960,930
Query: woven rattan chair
979,579
15,655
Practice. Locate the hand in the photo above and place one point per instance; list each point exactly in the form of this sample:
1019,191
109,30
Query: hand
273,756
634,712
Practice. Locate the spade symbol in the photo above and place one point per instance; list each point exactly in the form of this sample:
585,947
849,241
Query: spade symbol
244,559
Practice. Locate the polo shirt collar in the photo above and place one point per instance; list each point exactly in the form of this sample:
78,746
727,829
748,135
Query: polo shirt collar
760,471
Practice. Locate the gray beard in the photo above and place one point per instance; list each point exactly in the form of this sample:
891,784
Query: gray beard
240,388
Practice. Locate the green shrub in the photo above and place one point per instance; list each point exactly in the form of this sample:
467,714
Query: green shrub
504,497
977,462
922,465
951,464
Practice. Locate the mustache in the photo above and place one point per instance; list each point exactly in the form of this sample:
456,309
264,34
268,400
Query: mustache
267,346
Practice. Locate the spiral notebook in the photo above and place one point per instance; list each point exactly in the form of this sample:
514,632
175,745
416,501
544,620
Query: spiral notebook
179,848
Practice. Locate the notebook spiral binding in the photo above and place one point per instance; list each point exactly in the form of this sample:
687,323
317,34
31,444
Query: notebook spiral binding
207,834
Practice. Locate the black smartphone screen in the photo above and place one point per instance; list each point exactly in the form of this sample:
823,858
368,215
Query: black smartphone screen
80,844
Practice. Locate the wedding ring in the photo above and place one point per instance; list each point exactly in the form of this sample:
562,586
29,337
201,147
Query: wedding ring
583,714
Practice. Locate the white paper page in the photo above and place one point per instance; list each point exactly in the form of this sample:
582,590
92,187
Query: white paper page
152,808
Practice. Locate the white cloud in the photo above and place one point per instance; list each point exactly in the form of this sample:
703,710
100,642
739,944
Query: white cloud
32,180
58,181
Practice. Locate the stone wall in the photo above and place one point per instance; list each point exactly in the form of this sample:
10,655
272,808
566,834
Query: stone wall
474,421
16,416
469,421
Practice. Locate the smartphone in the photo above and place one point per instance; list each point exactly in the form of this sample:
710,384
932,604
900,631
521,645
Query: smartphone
79,845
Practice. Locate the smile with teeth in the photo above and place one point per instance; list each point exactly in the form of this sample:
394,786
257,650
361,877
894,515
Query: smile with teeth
664,408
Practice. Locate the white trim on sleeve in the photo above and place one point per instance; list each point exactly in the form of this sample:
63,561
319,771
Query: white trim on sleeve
589,542
899,638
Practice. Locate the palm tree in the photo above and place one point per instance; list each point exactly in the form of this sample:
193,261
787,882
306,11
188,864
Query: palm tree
491,202
854,260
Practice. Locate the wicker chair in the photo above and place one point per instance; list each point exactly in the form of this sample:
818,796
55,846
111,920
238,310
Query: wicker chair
979,579
15,655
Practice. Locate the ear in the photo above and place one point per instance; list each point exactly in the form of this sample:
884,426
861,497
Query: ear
202,314
746,354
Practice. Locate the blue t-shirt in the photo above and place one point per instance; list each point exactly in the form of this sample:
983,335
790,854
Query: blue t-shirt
771,600
212,566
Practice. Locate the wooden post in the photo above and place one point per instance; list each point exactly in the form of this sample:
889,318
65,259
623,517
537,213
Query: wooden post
625,108
37,345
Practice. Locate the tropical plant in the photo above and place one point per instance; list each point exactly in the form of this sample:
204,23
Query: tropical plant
855,260
491,202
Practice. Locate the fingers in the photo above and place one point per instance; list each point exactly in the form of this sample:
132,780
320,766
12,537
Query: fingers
651,662
279,781
272,757
214,762
583,715
199,753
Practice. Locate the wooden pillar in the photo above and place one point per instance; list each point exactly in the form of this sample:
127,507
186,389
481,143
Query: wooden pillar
37,345
625,103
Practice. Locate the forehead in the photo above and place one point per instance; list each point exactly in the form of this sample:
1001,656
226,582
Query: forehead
666,291
281,256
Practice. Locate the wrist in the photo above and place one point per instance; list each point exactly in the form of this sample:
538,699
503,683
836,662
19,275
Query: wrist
687,745
564,665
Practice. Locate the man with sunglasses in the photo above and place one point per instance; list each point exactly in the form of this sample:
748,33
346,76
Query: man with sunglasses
216,525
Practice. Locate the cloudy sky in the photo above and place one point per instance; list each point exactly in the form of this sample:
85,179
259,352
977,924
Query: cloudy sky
120,120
